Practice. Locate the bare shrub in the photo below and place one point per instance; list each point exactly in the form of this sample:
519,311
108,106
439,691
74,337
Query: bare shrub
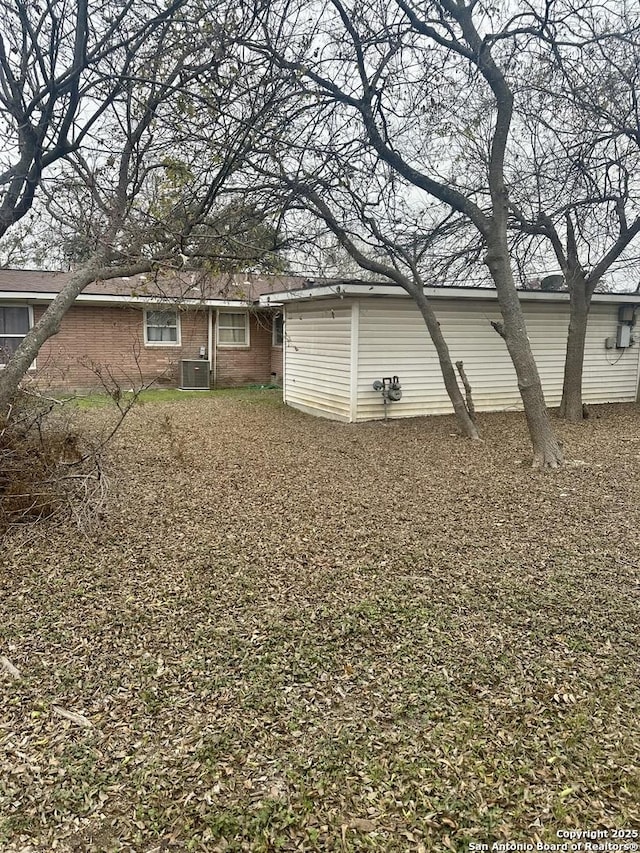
51,462
48,467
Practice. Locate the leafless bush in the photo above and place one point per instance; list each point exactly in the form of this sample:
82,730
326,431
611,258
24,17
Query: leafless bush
45,469
51,465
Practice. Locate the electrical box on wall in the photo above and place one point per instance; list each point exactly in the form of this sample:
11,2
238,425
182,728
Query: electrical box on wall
625,313
623,336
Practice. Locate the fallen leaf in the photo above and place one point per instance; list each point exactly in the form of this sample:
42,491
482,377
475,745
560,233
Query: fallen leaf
362,825
9,667
78,719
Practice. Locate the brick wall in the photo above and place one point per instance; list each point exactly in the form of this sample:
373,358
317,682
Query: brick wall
276,365
113,337
247,365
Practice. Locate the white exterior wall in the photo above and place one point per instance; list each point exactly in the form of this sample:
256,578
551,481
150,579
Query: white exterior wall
610,375
392,339
317,354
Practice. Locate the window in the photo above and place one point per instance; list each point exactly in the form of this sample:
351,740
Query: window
278,331
161,328
15,322
233,329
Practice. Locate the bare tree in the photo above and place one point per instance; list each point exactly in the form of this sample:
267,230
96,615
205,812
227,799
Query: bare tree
61,64
157,181
346,188
403,269
574,179
407,77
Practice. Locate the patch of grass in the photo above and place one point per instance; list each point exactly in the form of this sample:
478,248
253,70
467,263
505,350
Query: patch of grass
253,393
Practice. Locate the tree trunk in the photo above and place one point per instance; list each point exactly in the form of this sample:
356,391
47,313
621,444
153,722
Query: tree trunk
463,417
546,448
49,324
580,301
468,396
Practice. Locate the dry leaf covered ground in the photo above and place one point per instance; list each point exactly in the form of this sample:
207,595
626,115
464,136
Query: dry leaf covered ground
292,634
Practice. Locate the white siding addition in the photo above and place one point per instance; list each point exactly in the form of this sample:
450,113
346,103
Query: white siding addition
318,358
335,349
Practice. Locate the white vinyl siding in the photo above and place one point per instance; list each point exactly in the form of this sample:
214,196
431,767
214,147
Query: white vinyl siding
610,375
393,340
318,358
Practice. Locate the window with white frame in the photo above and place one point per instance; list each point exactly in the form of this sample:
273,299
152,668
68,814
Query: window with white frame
15,322
278,330
233,329
161,328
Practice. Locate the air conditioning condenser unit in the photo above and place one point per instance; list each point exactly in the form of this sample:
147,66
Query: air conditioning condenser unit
194,375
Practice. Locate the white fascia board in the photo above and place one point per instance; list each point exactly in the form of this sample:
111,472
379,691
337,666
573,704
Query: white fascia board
268,300
471,293
107,299
563,296
93,298
277,300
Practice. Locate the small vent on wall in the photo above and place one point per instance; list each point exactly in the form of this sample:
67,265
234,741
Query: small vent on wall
194,375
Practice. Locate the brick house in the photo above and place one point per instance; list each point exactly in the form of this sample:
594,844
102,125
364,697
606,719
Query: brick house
183,330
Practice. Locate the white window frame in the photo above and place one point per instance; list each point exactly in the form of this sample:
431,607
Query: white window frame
29,308
163,310
274,342
247,328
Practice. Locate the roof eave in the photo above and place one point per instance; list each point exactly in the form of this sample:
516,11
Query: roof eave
113,299
377,290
